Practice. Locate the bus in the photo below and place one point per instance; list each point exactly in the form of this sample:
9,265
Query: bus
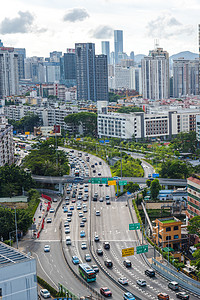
87,272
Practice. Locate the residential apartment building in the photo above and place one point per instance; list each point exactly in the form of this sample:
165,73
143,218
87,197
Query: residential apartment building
185,77
6,142
193,206
68,69
155,75
167,233
9,79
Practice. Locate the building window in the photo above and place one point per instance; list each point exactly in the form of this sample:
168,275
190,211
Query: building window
168,238
175,227
176,236
168,229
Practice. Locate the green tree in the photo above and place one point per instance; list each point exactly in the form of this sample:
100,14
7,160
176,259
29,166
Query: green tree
155,188
27,123
194,228
148,182
175,169
87,120
132,187
113,97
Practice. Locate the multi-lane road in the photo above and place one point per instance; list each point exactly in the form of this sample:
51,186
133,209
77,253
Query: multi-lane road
111,226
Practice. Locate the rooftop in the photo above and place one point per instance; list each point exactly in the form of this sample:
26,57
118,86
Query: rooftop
9,255
168,220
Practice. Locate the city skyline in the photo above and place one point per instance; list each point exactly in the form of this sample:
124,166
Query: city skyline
48,26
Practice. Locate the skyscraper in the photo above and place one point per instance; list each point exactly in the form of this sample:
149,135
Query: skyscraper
118,44
132,55
85,71
1,43
9,80
101,71
105,49
68,69
21,57
199,59
155,75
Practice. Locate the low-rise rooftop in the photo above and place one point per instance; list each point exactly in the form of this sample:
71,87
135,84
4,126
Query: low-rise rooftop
9,255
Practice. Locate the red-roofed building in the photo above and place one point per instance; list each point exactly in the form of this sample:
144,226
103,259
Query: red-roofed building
193,207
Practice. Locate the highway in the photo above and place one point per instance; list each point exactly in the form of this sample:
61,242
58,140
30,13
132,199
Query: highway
112,226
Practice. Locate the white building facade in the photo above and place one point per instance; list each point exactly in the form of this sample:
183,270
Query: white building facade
6,143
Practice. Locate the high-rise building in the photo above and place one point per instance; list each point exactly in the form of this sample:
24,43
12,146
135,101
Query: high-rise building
9,79
85,71
132,55
199,59
1,43
155,75
185,77
68,69
101,71
21,57
105,49
55,56
118,44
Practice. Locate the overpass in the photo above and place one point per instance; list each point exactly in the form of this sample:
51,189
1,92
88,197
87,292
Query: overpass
139,180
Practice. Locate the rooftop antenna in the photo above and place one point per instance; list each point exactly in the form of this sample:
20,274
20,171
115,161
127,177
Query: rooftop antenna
156,44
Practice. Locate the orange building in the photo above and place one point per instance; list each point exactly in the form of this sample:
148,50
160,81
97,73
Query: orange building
193,206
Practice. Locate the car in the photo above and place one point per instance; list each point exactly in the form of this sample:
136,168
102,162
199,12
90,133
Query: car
108,263
99,174
78,207
100,163
82,233
55,199
101,199
83,246
67,198
87,257
107,197
99,252
73,200
46,248
51,210
69,213
84,198
82,224
80,214
75,260
116,178
123,280
94,171
128,296
48,220
173,285
85,209
67,230
66,224
65,209
100,184
107,185
127,263
71,207
45,293
95,268
73,195
106,245
79,197
94,198
107,202
92,166
98,213
96,238
163,296
84,219
69,219
182,295
105,292
150,272
141,282
96,163
68,192
67,202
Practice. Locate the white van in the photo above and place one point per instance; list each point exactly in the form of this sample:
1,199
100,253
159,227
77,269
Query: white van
192,249
68,240
173,285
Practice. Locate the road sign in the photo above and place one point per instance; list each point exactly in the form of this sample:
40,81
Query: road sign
96,180
101,141
104,180
123,182
107,141
127,252
113,182
110,179
129,193
141,249
134,226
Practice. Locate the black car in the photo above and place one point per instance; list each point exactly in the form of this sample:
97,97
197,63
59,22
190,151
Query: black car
94,198
108,263
106,245
99,252
100,163
127,263
92,166
95,268
150,273
182,295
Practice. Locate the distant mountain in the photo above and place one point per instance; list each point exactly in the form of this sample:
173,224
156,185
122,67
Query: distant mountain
185,54
138,57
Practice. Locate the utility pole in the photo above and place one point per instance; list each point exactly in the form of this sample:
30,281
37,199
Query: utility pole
16,227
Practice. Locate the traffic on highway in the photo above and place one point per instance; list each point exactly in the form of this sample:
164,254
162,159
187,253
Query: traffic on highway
84,236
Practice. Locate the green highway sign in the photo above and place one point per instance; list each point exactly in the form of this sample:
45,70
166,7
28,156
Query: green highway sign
98,180
104,180
110,179
95,180
141,249
122,182
134,226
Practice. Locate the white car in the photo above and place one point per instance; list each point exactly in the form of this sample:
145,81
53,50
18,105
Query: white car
83,246
98,213
123,280
47,248
45,293
141,282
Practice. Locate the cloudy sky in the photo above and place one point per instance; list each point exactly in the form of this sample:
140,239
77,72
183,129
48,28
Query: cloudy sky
42,26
